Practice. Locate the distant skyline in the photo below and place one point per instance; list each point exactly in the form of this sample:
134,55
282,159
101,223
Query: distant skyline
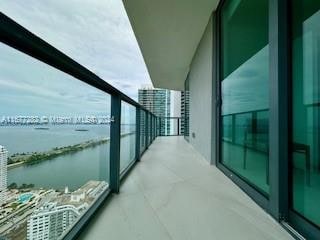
95,33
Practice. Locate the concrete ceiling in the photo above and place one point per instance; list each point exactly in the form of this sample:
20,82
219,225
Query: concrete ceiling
168,33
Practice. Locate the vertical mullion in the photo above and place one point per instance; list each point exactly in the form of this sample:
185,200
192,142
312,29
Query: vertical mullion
215,78
279,108
218,102
115,143
153,127
151,130
138,132
178,126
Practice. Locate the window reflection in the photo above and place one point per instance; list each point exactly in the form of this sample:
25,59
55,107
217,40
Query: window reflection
245,90
306,112
128,135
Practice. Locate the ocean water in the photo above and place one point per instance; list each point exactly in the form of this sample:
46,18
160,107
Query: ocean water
71,170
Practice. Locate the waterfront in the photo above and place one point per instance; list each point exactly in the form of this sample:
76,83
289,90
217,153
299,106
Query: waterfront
70,170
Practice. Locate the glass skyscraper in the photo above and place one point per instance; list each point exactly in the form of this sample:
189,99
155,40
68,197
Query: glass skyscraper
157,101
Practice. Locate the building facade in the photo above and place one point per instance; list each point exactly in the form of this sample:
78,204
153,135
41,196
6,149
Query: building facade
3,174
51,221
185,113
158,101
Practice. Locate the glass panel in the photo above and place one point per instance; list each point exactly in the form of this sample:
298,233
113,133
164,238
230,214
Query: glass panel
227,128
55,147
306,112
128,135
169,126
173,126
149,128
245,90
154,128
142,131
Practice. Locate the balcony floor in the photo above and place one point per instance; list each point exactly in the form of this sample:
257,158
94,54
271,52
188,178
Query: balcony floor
174,194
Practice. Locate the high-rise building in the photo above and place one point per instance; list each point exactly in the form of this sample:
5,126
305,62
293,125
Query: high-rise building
3,173
185,113
164,104
50,221
158,102
53,218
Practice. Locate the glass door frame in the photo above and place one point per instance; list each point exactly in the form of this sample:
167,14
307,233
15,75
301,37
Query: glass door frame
278,203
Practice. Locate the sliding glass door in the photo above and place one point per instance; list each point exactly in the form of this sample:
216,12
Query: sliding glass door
245,90
305,160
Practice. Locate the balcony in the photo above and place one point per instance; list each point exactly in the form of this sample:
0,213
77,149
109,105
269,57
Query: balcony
80,156
173,193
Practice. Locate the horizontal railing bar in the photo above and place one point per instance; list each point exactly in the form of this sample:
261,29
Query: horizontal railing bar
245,112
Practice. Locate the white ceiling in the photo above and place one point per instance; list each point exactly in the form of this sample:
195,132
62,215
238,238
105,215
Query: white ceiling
168,33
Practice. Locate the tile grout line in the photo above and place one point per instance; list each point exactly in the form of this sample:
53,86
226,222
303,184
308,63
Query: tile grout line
157,216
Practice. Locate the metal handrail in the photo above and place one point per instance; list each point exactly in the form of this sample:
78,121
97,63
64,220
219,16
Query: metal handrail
16,36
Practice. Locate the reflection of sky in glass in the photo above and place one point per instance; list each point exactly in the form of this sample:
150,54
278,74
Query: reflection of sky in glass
128,113
30,87
311,61
247,88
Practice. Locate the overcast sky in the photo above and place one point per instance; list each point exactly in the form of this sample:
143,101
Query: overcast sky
96,33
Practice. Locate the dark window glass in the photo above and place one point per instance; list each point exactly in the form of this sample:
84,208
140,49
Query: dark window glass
306,111
245,90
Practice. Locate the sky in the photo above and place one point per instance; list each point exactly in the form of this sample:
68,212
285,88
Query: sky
95,33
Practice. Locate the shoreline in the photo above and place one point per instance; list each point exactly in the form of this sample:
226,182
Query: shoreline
28,159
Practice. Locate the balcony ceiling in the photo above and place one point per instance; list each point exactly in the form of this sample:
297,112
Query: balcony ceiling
168,33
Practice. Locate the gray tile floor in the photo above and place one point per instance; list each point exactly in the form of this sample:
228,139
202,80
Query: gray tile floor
174,194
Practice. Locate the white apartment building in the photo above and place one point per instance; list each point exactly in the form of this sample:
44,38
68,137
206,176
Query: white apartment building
3,174
50,221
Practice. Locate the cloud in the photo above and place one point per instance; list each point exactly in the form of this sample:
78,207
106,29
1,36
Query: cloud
95,33
28,86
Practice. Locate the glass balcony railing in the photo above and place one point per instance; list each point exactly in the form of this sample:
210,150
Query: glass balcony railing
128,135
245,146
66,138
170,126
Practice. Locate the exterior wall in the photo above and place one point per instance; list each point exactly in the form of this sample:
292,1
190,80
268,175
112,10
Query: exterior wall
200,80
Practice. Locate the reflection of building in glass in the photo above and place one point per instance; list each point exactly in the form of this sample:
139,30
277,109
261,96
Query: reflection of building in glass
3,173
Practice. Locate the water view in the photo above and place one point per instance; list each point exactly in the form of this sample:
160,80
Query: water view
54,147
86,164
